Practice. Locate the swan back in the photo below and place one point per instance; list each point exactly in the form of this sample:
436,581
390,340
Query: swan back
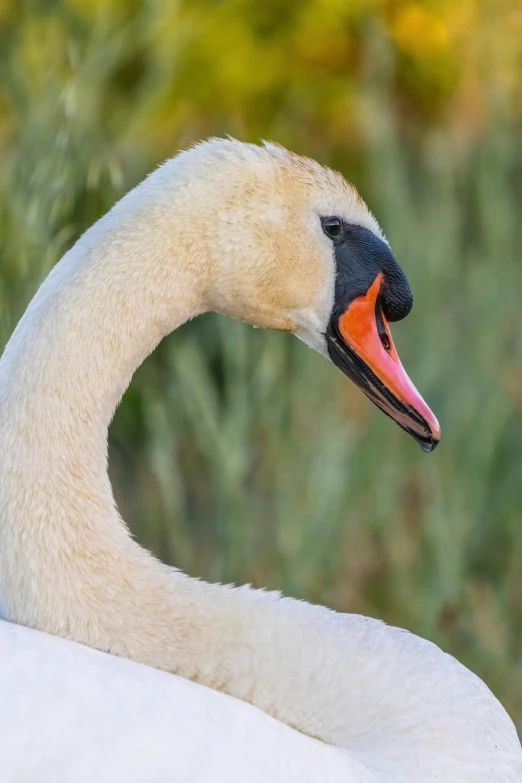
91,716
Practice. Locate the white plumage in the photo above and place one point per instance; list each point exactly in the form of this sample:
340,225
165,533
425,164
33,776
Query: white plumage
233,228
70,714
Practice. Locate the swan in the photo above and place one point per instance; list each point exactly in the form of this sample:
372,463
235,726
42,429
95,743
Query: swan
115,667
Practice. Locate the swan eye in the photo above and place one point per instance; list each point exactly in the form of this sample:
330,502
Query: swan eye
332,227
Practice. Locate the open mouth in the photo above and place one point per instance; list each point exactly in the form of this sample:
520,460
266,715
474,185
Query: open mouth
360,344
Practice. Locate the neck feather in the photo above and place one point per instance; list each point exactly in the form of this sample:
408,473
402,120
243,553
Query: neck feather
67,562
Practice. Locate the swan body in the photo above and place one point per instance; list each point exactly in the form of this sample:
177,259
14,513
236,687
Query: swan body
73,714
91,716
254,686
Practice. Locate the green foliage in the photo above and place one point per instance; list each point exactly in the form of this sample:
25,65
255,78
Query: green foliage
239,455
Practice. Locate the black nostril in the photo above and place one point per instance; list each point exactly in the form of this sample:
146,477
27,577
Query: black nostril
385,340
381,329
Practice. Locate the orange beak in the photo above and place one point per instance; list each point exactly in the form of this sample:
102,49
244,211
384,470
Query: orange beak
360,344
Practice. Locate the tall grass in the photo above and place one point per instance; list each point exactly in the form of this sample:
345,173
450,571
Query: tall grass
241,456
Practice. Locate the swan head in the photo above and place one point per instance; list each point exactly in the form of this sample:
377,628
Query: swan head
294,247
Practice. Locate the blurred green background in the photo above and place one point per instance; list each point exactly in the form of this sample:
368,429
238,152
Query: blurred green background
242,456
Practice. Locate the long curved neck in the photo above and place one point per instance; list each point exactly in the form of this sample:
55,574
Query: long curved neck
67,562
64,550
68,565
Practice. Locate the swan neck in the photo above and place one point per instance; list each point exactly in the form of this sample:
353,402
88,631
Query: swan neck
69,566
105,306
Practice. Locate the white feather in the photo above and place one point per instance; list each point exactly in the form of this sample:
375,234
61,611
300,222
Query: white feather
397,708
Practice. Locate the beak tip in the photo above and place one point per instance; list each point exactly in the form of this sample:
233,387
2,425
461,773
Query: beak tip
430,444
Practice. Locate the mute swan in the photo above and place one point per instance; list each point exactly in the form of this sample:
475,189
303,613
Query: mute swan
260,234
